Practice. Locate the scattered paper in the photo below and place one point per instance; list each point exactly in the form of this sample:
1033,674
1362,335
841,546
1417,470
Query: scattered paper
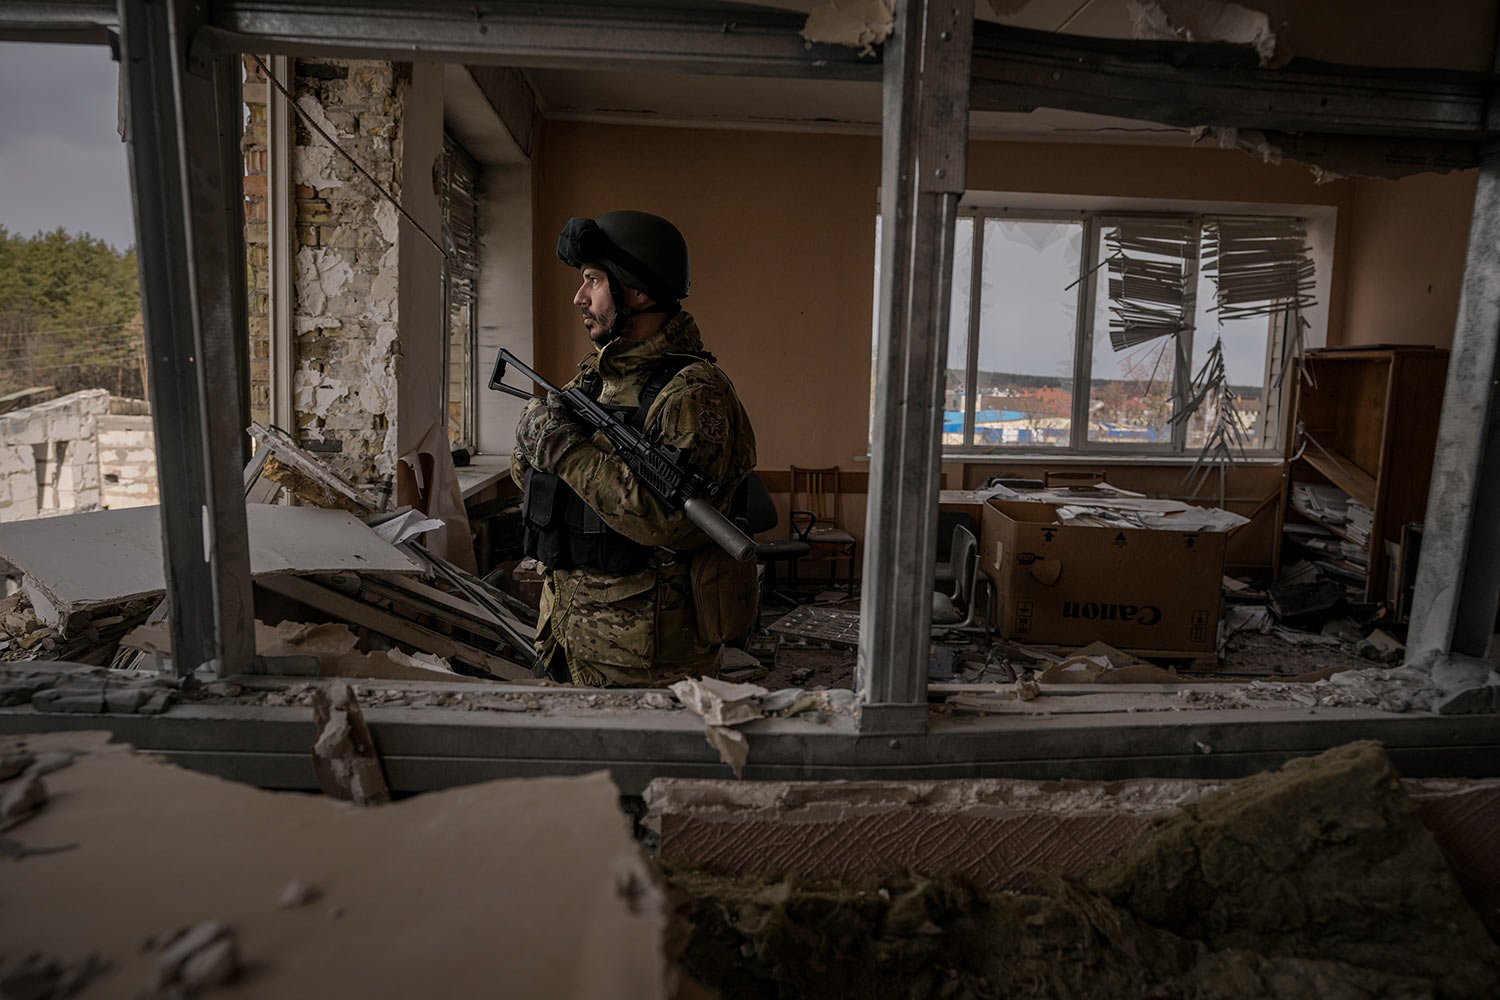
406,526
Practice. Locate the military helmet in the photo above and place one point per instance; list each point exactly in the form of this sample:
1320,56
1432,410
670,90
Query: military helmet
640,251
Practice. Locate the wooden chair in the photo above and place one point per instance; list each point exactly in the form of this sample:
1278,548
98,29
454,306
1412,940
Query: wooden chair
815,518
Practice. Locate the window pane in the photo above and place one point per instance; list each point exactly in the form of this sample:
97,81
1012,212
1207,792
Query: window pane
1027,326
956,389
1245,353
1130,391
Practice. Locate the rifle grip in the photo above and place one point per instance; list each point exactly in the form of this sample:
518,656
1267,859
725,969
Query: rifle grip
719,528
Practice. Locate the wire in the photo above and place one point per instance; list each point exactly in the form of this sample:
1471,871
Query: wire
306,118
76,329
96,363
22,357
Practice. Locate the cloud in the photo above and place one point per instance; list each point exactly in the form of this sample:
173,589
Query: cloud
61,159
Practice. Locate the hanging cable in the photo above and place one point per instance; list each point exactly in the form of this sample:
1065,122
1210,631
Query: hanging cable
308,119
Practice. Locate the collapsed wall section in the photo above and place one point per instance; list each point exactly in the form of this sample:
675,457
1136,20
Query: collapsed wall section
49,457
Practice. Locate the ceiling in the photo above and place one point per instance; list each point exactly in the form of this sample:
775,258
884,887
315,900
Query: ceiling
795,105
1454,34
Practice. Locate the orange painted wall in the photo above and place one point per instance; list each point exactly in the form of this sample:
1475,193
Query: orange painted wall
781,228
1406,258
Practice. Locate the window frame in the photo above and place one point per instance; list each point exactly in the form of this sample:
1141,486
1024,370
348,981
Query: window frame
1094,214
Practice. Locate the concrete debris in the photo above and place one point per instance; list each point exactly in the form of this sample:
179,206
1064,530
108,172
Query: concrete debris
344,755
298,893
720,703
46,977
195,959
858,24
14,760
87,690
1396,689
724,705
22,799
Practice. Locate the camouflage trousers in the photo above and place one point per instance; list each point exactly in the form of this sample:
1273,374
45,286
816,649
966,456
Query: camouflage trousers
636,630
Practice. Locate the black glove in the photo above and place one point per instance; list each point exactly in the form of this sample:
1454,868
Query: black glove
545,433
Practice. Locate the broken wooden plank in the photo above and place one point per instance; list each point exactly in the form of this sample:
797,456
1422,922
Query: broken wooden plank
392,626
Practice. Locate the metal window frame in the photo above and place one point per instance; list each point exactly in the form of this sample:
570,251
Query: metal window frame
192,289
1093,221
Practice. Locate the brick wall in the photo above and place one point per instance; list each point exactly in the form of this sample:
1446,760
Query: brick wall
345,262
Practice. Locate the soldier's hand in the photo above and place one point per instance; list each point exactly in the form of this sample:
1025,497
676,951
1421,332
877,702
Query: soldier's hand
546,432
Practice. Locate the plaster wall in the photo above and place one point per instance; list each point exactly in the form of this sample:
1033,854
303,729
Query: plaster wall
420,308
1406,258
505,296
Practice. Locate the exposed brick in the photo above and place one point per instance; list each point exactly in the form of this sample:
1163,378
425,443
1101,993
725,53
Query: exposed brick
255,184
313,210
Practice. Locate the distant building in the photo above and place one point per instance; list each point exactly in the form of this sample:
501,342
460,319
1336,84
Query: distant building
84,451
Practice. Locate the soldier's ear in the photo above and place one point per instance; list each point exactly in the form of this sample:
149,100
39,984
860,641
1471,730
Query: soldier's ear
637,299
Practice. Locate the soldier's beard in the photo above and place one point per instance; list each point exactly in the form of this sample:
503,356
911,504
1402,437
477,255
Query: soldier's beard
606,327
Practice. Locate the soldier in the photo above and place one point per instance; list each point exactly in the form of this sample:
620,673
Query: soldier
618,606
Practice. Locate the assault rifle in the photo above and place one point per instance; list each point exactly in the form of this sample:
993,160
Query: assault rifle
659,467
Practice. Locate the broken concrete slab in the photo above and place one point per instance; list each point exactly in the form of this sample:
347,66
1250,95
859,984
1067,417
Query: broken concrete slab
82,561
545,866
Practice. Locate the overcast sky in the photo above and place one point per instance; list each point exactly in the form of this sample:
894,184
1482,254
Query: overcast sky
61,159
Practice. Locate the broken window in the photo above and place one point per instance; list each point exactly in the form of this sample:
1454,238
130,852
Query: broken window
460,205
1131,305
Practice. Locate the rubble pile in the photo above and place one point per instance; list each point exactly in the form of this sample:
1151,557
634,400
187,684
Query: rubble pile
1316,880
341,588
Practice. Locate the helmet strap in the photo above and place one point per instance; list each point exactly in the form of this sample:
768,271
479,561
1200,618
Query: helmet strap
624,314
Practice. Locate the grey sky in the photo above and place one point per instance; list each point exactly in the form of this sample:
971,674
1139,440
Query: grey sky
61,159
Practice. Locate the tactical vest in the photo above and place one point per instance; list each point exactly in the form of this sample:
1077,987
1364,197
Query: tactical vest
563,532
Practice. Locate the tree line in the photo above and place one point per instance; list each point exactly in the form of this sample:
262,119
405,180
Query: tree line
70,315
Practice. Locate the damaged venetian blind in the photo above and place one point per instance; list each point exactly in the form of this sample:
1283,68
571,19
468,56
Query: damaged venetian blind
460,213
1260,265
1150,287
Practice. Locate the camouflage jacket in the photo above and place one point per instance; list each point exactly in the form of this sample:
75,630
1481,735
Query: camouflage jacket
639,629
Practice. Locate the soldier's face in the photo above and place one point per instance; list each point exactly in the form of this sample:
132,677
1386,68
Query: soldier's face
595,303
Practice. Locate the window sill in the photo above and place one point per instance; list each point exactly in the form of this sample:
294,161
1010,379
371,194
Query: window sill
1095,458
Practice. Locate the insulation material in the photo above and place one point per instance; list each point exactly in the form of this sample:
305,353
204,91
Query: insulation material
1149,291
1206,21
858,24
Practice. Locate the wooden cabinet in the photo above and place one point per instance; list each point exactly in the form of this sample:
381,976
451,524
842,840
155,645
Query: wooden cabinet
1364,428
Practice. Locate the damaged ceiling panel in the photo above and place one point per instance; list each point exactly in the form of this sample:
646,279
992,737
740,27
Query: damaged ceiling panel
800,105
1453,34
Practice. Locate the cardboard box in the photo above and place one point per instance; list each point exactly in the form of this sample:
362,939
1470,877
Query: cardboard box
1140,590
